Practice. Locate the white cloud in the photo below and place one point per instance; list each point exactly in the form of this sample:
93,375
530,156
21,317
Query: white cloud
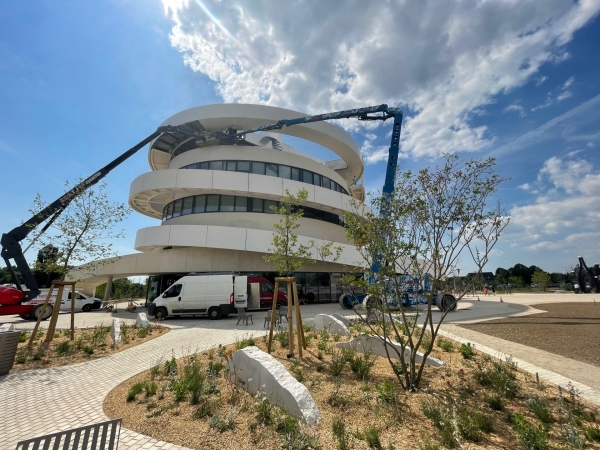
564,95
525,186
540,80
547,103
442,61
516,108
568,83
567,175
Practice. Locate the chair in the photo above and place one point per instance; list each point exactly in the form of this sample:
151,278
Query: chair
104,435
268,319
282,313
242,316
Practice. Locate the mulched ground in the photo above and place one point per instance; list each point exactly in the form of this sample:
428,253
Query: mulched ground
571,330
398,418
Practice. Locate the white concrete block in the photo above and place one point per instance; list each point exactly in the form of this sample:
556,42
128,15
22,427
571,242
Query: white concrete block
142,320
7,327
115,331
258,372
341,318
325,322
374,345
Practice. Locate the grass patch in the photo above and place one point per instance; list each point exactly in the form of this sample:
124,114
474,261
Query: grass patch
530,437
466,350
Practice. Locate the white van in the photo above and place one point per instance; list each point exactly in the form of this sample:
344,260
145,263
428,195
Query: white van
213,295
82,302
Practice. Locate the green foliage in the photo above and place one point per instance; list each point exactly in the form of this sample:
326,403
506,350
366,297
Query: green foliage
21,356
245,342
540,409
287,424
143,332
530,437
171,366
466,350
99,335
592,433
323,346
496,403
222,424
371,437
428,445
497,375
206,408
337,364
572,437
215,367
64,348
287,254
221,351
471,424
88,350
283,338
445,345
180,389
135,390
38,355
362,364
386,393
264,411
23,336
151,388
541,278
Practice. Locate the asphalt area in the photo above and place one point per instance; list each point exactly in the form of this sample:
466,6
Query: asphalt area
571,330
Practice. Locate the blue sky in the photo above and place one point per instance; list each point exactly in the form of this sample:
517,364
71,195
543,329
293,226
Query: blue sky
82,82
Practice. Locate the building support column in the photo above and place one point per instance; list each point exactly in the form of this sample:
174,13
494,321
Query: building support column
108,289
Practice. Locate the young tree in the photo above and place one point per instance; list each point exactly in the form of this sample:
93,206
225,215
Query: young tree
429,220
83,231
541,278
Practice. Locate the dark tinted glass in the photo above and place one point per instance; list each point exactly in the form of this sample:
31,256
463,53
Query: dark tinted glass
199,205
326,183
231,166
285,172
317,179
227,203
216,165
272,170
164,213
204,165
307,177
268,204
187,205
258,167
170,210
328,217
295,174
177,208
243,166
241,204
257,205
212,203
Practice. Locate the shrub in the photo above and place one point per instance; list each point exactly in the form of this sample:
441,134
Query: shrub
497,375
206,409
471,424
386,393
322,346
39,354
180,389
572,437
63,348
215,367
21,356
592,433
151,388
336,399
287,424
283,338
362,364
23,336
442,420
134,390
324,336
246,342
531,437
155,370
223,424
466,350
143,332
221,351
446,346
496,403
337,364
371,437
88,350
540,409
171,366
99,335
264,411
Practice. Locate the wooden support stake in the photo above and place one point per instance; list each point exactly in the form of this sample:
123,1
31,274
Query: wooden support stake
299,317
42,312
290,324
274,307
299,332
54,317
73,312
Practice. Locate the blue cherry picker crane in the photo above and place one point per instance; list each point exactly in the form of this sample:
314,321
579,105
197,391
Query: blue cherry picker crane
13,300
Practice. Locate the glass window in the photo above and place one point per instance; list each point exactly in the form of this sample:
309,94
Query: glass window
319,215
204,165
328,217
199,204
173,291
326,183
212,203
267,287
268,204
177,208
258,167
164,213
231,166
339,188
216,165
227,203
169,210
243,166
295,174
285,172
257,205
272,170
241,204
317,179
307,177
188,203
309,213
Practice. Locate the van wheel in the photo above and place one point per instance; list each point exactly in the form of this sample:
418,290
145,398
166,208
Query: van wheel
87,308
160,313
214,313
38,310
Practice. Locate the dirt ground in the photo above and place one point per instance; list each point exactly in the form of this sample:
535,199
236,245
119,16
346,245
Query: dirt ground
376,402
88,344
571,330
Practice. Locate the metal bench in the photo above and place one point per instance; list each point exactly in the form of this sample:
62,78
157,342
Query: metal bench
100,436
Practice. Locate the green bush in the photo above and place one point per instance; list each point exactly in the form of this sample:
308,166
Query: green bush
143,332
63,348
496,403
21,356
446,346
180,389
362,364
134,390
264,411
215,367
530,437
88,350
466,350
497,375
371,437
206,409
23,336
151,388
540,409
283,338
572,437
287,424
386,393
246,342
222,424
323,346
171,367
337,364
592,434
221,351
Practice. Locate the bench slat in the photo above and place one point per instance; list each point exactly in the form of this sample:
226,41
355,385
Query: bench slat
78,438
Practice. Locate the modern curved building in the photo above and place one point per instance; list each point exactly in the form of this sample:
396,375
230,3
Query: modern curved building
211,200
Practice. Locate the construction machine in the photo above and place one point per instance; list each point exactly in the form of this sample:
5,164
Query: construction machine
587,278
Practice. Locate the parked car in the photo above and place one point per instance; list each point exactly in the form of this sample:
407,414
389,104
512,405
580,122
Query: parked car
82,301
